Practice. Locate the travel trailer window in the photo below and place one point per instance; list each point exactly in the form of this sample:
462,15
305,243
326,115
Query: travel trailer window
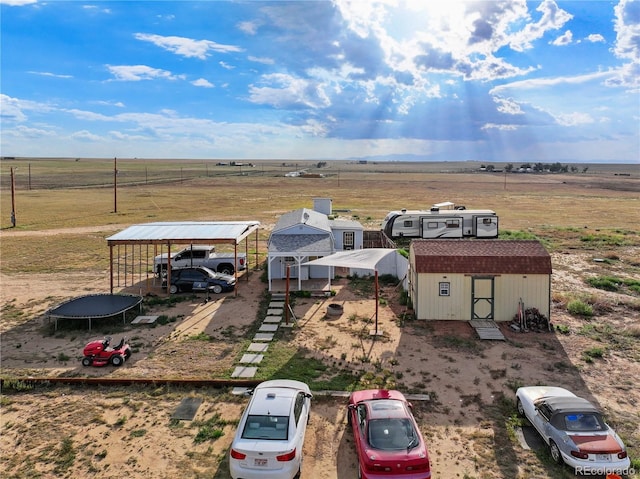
486,221
453,223
432,225
444,288
408,223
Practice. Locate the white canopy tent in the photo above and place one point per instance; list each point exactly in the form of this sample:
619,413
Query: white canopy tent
377,260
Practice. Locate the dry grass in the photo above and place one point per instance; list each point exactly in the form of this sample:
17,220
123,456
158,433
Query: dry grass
578,217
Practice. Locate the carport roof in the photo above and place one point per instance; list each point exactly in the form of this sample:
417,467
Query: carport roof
185,232
480,256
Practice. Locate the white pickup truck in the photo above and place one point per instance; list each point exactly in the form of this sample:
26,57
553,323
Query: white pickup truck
200,255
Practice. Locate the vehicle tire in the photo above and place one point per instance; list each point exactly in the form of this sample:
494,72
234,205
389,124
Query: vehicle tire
173,289
127,354
225,268
217,289
519,407
349,418
117,360
554,450
359,470
87,361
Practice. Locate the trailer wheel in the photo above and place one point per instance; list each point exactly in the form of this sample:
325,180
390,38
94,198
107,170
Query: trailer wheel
86,361
173,289
117,360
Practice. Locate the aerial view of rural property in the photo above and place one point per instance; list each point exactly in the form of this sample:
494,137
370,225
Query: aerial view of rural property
320,239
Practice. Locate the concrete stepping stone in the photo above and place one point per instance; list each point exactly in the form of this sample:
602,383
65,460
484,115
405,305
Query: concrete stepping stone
276,304
258,347
268,328
263,337
272,319
251,358
275,311
244,372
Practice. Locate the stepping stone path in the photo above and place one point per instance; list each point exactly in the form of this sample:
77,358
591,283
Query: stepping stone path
260,344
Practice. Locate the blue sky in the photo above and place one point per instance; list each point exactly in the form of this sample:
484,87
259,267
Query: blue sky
493,81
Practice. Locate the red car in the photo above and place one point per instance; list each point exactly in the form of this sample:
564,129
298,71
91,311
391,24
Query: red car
388,442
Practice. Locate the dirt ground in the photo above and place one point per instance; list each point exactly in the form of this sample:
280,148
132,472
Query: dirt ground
128,432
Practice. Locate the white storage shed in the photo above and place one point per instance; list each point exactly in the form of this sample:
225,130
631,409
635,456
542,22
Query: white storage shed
478,279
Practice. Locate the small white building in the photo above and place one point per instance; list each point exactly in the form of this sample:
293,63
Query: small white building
306,234
478,279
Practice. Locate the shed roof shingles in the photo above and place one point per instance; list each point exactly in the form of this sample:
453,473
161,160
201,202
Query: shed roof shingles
481,257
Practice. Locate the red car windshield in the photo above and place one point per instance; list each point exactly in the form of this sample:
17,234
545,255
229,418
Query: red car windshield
392,434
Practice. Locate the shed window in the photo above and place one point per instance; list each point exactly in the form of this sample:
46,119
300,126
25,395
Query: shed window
445,288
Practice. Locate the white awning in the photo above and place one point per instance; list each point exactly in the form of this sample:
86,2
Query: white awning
368,258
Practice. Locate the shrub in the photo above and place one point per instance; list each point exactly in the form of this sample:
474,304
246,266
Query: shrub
579,308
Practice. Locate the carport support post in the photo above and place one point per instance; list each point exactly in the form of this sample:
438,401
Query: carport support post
286,299
376,332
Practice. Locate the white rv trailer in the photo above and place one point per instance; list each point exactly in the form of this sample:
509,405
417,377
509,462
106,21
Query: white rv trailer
443,220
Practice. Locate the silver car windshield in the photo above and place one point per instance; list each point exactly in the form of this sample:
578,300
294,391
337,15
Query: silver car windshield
266,427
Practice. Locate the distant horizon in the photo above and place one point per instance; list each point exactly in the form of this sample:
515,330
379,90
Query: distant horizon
311,160
525,80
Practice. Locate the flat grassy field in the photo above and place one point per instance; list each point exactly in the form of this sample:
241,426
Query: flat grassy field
65,209
53,194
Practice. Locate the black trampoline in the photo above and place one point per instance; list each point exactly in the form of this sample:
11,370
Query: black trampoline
95,306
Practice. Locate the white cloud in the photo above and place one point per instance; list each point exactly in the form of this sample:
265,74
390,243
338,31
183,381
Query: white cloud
508,106
140,72
202,83
85,135
49,74
266,61
596,38
286,91
187,47
226,66
17,3
495,126
573,119
565,39
627,46
250,28
553,18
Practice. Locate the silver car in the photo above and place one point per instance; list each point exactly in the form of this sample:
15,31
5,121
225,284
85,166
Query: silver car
574,430
268,442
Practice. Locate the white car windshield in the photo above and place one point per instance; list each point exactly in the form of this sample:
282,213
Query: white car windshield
266,427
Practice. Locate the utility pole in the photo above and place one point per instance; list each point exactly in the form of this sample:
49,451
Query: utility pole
115,185
13,198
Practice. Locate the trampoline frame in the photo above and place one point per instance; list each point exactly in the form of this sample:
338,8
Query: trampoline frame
94,315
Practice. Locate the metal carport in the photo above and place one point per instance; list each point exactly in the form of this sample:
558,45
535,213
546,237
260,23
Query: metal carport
166,234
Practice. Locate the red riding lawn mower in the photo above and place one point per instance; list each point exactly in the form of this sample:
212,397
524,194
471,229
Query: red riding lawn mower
100,353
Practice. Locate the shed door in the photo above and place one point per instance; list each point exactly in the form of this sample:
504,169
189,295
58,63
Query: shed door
482,298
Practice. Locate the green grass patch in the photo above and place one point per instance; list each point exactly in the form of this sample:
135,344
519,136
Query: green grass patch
580,308
210,430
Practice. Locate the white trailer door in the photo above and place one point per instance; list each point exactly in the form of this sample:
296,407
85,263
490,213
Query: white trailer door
442,227
486,226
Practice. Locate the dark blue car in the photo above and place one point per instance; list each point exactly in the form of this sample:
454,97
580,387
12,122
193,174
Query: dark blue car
200,278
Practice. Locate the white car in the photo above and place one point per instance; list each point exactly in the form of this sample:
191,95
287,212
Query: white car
270,435
574,430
